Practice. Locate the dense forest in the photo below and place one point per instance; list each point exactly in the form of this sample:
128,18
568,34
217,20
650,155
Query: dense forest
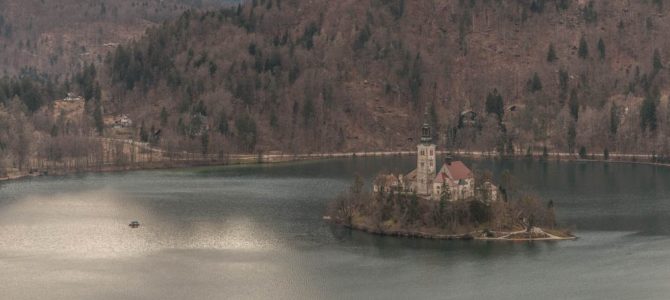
307,76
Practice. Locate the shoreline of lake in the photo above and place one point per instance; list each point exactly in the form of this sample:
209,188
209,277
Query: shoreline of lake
259,159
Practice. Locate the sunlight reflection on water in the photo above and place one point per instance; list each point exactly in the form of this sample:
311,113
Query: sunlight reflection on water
256,232
94,224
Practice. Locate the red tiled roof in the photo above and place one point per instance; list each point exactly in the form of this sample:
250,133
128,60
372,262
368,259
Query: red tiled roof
457,170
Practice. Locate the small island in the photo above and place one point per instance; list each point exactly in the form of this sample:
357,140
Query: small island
453,203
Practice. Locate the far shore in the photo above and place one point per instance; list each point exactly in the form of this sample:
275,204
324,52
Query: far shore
273,158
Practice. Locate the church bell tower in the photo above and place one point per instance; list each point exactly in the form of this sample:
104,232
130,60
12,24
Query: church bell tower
425,163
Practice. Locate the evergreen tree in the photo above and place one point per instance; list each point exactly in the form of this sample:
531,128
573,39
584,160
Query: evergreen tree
164,116
97,117
308,112
247,131
657,63
583,51
274,121
204,143
551,54
144,136
494,104
397,8
416,79
574,104
648,114
563,81
362,38
589,13
413,209
545,153
537,6
572,136
582,152
534,84
563,4
601,48
223,123
445,195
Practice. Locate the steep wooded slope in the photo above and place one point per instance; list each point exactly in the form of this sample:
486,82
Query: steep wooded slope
351,74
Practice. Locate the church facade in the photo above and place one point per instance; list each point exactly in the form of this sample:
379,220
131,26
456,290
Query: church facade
454,180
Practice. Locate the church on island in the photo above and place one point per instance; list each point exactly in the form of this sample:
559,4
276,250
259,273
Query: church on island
453,180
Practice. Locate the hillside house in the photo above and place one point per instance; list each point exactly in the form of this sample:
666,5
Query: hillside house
72,97
122,121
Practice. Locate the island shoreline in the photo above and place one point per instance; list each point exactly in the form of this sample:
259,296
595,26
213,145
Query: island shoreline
448,237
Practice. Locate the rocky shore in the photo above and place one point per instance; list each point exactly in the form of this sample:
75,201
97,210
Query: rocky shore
534,234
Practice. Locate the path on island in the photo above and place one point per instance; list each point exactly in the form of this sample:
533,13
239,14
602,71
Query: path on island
507,235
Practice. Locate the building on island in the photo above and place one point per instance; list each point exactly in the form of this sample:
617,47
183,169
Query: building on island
457,179
453,177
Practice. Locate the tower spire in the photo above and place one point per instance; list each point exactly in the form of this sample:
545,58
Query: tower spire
426,130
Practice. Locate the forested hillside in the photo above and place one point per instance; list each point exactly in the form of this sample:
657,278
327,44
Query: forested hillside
338,75
59,37
302,76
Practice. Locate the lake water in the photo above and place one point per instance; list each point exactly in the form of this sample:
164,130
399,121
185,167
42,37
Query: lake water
255,232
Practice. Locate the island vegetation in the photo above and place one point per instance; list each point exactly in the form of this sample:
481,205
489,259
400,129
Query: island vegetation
515,215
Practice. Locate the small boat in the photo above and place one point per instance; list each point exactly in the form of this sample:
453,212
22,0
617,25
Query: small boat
134,224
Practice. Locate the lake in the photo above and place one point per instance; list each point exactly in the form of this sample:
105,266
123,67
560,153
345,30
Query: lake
256,232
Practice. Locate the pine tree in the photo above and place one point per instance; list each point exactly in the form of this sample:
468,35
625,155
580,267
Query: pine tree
572,136
657,63
574,104
534,84
601,49
144,136
97,117
416,79
583,51
582,152
648,114
551,54
494,104
563,81
164,116
204,142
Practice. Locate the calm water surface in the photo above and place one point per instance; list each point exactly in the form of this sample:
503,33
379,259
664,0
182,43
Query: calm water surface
256,232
